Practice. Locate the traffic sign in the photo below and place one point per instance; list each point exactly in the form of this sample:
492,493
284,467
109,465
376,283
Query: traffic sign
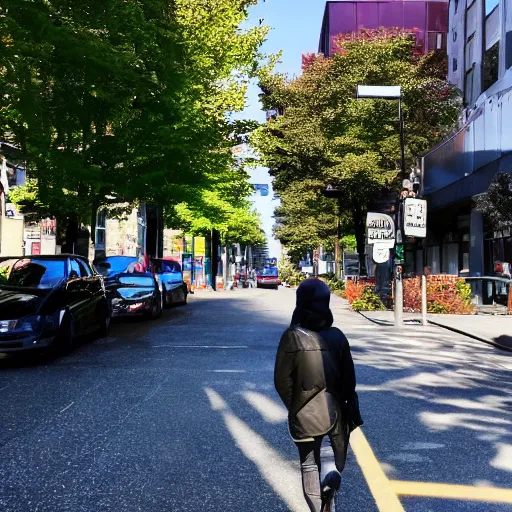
415,217
380,229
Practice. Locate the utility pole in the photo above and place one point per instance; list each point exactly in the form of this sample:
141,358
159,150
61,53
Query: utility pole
393,92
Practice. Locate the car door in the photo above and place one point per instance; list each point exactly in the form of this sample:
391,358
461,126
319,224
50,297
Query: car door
95,308
173,278
78,297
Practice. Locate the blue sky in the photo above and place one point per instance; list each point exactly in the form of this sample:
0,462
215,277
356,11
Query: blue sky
295,29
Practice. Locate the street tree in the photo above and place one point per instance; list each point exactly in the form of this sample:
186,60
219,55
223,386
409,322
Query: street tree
325,135
113,101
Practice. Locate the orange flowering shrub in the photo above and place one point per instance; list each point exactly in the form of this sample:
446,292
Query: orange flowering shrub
354,290
445,294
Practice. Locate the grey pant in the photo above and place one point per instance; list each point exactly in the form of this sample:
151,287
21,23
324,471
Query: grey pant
321,462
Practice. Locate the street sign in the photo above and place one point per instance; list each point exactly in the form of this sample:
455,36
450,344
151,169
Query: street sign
380,229
380,254
415,217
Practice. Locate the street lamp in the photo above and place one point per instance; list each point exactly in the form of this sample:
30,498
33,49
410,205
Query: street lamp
334,193
392,92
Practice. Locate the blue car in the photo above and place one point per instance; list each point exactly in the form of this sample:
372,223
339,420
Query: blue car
131,289
170,274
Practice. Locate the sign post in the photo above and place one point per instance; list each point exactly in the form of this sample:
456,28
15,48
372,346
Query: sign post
382,235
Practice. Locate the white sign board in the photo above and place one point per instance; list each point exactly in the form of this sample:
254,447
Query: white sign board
380,229
415,217
380,254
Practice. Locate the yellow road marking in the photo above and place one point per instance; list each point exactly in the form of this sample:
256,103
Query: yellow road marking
451,491
383,493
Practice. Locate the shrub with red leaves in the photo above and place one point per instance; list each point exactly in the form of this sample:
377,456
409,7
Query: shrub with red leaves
445,294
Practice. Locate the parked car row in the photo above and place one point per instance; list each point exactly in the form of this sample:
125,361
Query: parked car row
46,302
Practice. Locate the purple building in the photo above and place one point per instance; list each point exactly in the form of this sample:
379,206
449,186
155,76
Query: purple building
428,19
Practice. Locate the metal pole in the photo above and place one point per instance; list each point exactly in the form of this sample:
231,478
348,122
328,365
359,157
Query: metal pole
402,140
424,300
399,285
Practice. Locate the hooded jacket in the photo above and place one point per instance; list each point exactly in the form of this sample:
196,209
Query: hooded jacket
314,372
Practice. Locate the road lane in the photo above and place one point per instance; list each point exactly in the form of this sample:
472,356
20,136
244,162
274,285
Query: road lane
127,424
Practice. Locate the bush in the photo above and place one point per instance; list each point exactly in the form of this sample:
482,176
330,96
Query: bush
445,294
354,290
289,274
333,282
369,301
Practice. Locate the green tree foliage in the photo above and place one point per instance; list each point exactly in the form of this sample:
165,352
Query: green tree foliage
113,101
325,135
496,205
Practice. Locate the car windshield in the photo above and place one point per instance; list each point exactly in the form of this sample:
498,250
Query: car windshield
31,273
270,271
118,265
142,281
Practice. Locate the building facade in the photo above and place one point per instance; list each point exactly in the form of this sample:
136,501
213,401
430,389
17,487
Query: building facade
461,168
426,19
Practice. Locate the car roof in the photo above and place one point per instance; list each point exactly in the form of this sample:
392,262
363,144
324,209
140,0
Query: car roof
46,257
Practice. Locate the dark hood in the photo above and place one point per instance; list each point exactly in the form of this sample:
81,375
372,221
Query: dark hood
16,304
312,310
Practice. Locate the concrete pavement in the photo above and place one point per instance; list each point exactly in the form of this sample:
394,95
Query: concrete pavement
495,330
181,414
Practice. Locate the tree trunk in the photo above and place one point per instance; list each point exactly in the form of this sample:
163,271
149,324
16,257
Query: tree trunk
360,233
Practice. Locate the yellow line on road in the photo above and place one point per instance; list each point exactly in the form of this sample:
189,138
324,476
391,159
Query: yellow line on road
451,491
379,484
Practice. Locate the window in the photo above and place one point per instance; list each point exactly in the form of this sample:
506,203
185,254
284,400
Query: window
490,66
436,41
101,224
468,87
454,36
31,273
454,64
261,190
83,270
490,5
74,269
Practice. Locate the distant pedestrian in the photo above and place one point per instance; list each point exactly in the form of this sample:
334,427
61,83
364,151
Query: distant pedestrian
315,378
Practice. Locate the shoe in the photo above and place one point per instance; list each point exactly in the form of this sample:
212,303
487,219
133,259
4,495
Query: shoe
328,499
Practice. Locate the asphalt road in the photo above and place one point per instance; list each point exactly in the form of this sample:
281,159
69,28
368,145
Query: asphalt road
180,414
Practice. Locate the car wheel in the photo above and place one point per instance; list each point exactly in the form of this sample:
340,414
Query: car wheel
161,306
104,321
158,306
167,301
63,342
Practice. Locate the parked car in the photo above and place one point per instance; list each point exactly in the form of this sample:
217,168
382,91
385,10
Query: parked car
268,277
48,301
174,289
131,289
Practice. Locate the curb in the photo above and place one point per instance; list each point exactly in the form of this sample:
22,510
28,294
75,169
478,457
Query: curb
443,326
474,336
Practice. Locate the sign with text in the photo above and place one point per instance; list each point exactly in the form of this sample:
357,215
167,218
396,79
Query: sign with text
415,217
380,229
380,253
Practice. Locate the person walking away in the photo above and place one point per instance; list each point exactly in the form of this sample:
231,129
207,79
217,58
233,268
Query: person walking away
315,378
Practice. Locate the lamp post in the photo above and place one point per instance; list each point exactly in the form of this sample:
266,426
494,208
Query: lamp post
393,92
332,192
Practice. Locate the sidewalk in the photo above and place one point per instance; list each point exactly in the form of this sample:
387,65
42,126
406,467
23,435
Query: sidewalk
495,330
